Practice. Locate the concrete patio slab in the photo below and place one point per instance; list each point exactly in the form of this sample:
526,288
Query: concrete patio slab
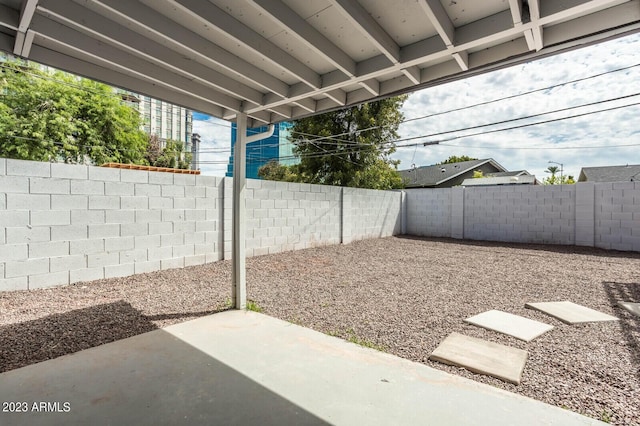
570,313
240,368
632,307
480,356
512,325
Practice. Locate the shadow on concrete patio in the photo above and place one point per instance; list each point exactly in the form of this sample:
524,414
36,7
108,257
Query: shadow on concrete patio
154,378
629,323
52,336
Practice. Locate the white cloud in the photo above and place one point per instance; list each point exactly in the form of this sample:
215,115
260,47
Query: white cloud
215,145
536,144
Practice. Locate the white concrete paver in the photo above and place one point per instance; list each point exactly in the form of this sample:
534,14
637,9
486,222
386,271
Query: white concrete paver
570,313
512,325
480,356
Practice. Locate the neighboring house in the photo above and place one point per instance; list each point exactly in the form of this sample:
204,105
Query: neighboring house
610,173
448,175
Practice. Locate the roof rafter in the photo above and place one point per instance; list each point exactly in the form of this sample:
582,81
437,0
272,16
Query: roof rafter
286,17
62,61
146,21
27,10
99,27
114,58
352,10
536,25
440,20
230,27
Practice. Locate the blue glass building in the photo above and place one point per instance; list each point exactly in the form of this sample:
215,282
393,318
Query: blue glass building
277,147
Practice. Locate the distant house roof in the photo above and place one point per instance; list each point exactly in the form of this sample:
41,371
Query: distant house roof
610,173
439,175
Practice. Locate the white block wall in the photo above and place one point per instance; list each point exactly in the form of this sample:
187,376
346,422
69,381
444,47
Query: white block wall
617,215
429,212
605,215
62,223
370,214
285,216
533,214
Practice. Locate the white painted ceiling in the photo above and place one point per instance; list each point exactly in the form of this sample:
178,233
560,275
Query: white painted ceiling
282,59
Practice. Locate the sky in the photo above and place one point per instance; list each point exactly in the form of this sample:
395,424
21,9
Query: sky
596,139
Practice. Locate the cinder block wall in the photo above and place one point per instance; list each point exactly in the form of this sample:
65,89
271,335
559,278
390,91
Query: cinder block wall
370,214
285,216
617,215
62,223
533,214
429,212
605,215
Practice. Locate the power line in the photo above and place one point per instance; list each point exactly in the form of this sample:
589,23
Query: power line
443,142
535,124
521,118
492,101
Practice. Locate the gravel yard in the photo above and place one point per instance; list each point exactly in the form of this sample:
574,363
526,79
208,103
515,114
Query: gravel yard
401,295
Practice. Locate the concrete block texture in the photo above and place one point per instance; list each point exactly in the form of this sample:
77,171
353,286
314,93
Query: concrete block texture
28,201
27,168
14,252
11,218
69,171
14,184
24,268
104,174
13,284
86,223
48,280
49,186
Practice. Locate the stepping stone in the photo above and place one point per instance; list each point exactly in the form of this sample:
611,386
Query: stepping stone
512,325
570,313
632,307
477,355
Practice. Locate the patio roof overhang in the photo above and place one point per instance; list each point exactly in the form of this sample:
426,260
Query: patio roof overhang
265,61
279,60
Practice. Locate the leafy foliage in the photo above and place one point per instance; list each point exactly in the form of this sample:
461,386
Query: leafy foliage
456,159
59,117
276,171
359,157
554,179
169,156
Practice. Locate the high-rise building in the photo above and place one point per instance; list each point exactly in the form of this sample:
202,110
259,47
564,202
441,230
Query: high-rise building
277,147
165,120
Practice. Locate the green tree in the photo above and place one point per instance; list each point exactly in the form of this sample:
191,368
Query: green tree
171,155
276,171
456,159
359,157
557,180
60,117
